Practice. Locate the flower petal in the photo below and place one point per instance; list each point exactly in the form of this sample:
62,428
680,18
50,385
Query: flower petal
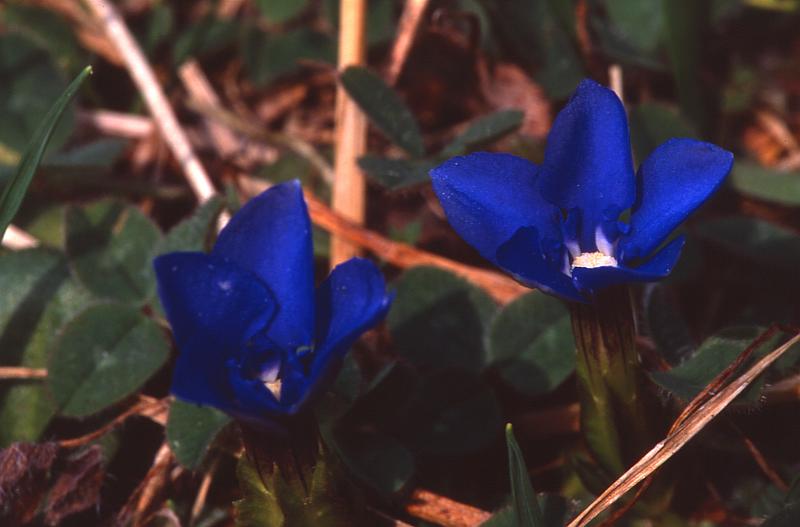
214,307
587,163
350,301
487,197
521,257
674,180
592,279
271,237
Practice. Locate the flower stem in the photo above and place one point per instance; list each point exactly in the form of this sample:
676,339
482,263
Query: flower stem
615,420
297,482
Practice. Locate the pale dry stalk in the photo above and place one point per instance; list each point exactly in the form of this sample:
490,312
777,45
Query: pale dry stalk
351,131
145,80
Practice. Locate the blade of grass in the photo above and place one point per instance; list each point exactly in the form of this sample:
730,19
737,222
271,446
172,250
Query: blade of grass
523,498
18,185
678,437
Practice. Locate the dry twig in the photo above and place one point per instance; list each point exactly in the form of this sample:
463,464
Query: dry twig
676,439
443,511
142,74
502,288
153,409
20,373
351,130
16,239
407,26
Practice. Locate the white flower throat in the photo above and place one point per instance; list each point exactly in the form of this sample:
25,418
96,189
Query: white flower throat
591,260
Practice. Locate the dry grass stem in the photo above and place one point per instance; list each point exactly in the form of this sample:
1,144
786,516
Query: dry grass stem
21,373
349,185
502,288
154,409
407,26
677,438
117,124
16,239
428,506
145,80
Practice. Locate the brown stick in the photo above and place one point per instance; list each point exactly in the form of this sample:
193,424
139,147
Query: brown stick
407,28
18,372
502,288
145,80
351,130
676,440
443,511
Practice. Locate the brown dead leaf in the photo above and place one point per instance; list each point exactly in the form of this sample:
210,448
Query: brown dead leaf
24,469
77,487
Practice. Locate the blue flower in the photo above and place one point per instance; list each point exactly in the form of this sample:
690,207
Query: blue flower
255,338
557,226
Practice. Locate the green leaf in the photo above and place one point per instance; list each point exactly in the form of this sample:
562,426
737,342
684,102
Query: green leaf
638,22
280,11
191,429
269,56
539,34
104,354
775,5
789,516
195,232
31,84
38,297
756,240
205,36
454,413
484,130
396,174
524,503
376,459
712,357
685,21
15,189
384,108
766,184
666,325
438,320
258,506
531,345
46,30
554,509
110,246
652,124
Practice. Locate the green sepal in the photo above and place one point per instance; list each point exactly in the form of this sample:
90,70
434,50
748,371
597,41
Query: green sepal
299,495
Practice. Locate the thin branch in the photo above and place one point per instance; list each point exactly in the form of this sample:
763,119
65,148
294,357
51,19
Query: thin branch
677,439
348,196
19,373
407,27
142,74
443,511
199,88
16,239
295,144
502,288
149,407
202,492
117,124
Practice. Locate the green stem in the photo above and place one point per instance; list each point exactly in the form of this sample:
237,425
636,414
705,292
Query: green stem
614,417
297,482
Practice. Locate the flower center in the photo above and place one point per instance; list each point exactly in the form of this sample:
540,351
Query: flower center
592,260
274,387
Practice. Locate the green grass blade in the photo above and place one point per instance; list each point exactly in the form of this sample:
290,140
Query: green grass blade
18,184
523,499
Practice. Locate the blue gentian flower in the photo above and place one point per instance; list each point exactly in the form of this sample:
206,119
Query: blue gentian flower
557,226
255,338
